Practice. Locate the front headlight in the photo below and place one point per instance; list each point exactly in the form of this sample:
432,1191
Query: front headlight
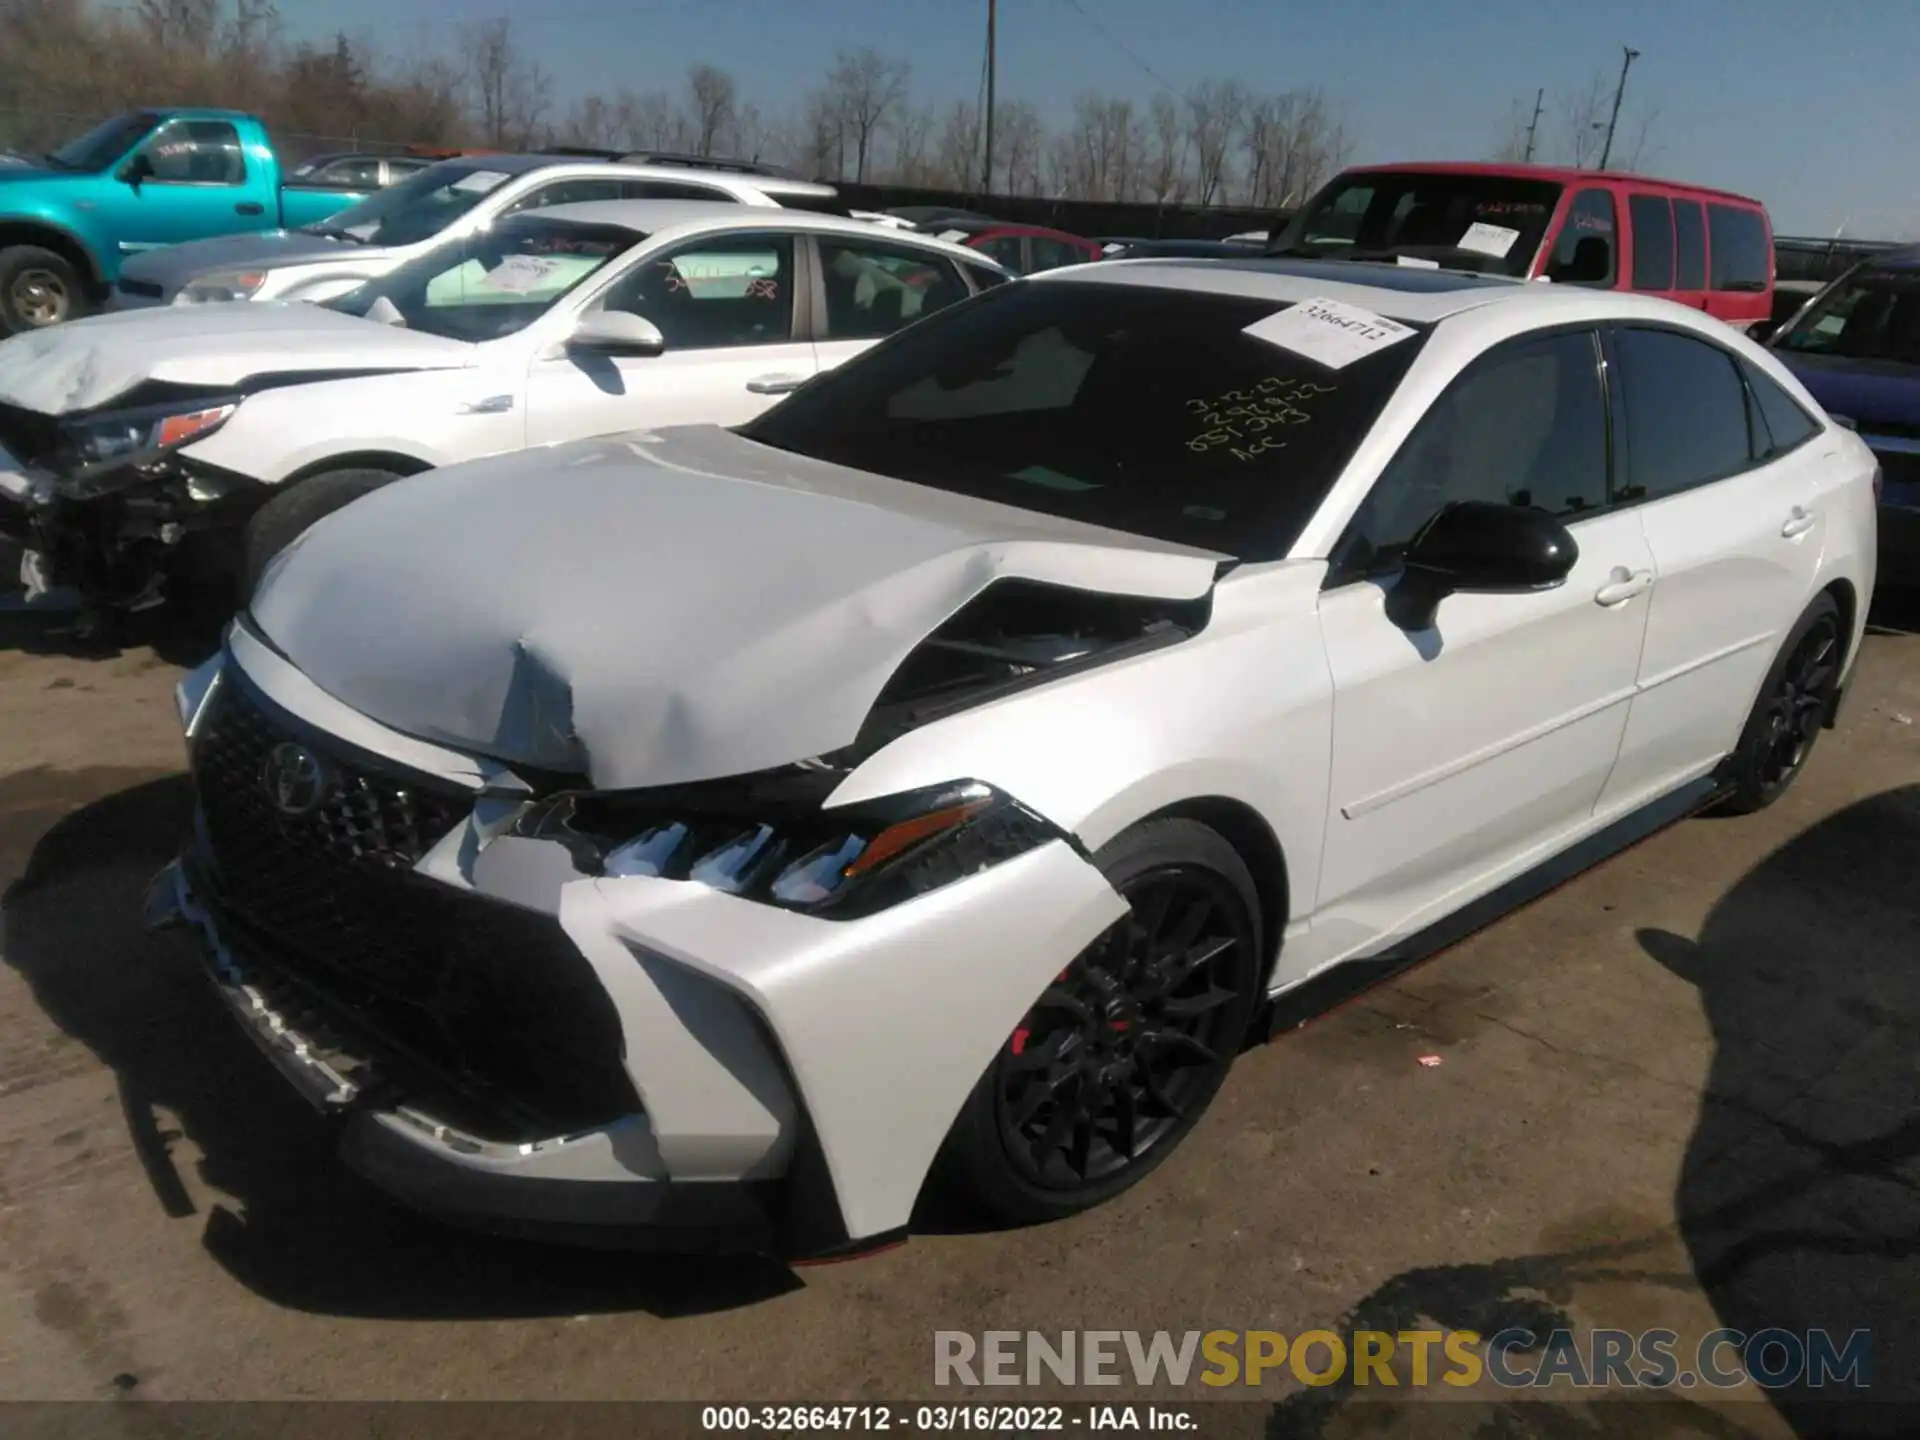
838,863
110,448
221,285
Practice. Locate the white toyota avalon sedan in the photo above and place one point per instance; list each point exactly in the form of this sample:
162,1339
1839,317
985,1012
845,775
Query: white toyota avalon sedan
702,836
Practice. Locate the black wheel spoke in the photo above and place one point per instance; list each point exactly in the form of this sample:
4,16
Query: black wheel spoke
1188,1007
1124,1048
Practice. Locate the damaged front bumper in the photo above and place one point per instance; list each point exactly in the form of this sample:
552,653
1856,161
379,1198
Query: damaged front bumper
122,547
630,1060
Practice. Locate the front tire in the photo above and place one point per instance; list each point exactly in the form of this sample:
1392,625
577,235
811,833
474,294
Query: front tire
1121,1054
1786,720
38,288
276,524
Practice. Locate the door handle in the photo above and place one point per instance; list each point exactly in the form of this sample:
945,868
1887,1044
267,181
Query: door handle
249,207
1798,523
775,384
1622,585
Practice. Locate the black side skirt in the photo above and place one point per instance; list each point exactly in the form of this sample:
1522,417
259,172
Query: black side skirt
1340,983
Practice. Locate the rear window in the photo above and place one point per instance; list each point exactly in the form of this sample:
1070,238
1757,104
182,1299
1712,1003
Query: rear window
1492,223
1741,257
1873,314
1144,410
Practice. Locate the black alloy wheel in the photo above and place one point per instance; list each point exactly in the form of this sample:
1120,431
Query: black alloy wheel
1791,712
1120,1054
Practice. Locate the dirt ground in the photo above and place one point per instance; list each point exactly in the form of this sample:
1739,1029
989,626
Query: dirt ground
1682,1091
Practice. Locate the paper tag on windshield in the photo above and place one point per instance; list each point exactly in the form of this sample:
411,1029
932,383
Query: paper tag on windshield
1329,331
950,236
519,274
1414,262
480,181
1484,239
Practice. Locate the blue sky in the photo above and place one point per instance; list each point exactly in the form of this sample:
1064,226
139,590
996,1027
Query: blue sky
1807,104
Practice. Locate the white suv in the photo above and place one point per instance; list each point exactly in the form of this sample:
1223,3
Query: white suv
452,198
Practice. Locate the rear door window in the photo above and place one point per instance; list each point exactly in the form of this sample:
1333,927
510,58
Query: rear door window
1690,246
874,289
1740,256
1686,412
1652,219
1005,249
1051,254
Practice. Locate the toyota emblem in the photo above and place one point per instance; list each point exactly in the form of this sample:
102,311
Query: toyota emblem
294,778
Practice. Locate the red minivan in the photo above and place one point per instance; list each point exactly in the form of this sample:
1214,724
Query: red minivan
1705,248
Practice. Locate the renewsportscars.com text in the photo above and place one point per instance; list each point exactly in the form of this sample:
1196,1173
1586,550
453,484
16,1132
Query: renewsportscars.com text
1515,1358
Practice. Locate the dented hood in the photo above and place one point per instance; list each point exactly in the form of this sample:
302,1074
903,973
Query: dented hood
660,607
89,363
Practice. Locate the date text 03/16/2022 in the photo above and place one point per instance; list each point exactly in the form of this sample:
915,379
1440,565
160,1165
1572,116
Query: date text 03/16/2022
945,1419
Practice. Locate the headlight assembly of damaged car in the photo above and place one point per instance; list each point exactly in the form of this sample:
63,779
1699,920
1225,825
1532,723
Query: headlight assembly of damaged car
838,863
221,286
112,448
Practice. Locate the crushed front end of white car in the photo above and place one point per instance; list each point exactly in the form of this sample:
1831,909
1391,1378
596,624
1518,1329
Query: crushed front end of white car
547,892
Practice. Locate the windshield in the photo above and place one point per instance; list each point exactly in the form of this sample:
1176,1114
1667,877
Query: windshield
1873,314
1489,223
491,283
1126,406
105,143
419,207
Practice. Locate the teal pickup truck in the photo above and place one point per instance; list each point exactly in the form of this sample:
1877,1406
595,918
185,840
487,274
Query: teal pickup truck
148,178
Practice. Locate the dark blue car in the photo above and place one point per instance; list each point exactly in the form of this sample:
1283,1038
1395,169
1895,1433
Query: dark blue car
1857,348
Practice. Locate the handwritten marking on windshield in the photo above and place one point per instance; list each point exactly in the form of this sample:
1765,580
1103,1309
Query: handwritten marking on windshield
1244,421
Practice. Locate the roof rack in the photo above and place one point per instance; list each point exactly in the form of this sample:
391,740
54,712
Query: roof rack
708,162
581,152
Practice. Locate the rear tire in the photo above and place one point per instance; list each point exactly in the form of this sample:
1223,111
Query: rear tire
38,288
1786,721
1120,1056
276,524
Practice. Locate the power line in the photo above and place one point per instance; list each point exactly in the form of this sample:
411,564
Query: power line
1120,45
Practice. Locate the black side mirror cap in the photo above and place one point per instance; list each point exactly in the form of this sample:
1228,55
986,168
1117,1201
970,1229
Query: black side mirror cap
1479,546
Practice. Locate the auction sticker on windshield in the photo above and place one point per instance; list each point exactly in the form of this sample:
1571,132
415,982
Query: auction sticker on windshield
1330,332
521,274
1485,239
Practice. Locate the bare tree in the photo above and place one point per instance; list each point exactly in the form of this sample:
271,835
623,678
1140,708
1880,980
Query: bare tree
713,107
1510,140
912,133
868,88
1166,165
188,24
649,120
1216,110
1584,122
1019,144
512,95
955,160
1641,147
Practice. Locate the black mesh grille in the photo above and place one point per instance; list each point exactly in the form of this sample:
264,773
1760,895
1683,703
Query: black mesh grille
491,997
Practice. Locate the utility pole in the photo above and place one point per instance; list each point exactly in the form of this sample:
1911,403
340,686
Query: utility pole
986,174
1618,91
1539,96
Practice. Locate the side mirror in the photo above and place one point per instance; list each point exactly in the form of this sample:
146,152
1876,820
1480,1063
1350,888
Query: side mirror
616,332
1475,545
139,167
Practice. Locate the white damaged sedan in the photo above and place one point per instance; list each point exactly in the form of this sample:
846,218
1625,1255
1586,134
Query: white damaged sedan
703,836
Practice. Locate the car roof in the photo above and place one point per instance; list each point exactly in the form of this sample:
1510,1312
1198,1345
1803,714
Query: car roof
1900,258
651,216
1399,292
1559,174
521,164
